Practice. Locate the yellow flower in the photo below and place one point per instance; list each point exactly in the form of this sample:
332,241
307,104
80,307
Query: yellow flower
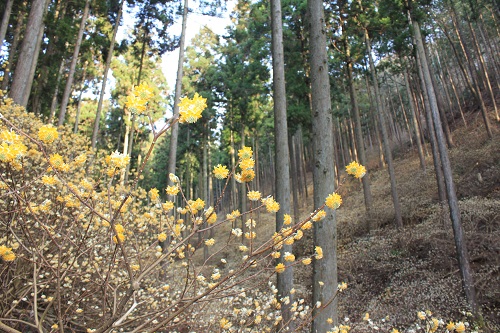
135,267
234,214
117,160
190,109
366,317
220,171
121,237
421,315
168,205
247,163
355,169
254,195
306,261
307,225
289,256
210,242
247,175
434,325
172,190
287,219
245,152
48,134
319,252
342,286
10,137
451,326
243,248
225,324
459,327
144,91
271,205
211,215
162,237
319,216
333,201
394,330
49,180
154,195
6,253
198,204
56,161
280,268
298,235
119,228
275,254
80,159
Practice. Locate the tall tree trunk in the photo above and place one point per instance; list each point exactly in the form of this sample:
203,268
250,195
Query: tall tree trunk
22,78
72,67
359,134
325,231
174,133
282,166
95,131
385,139
53,105
13,48
79,107
414,122
461,247
5,21
484,70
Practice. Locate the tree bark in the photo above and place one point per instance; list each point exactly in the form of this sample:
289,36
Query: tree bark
414,122
32,35
174,133
72,67
282,166
385,139
5,21
461,247
359,135
325,231
95,131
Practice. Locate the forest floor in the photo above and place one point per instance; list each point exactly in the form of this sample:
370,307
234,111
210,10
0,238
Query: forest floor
392,274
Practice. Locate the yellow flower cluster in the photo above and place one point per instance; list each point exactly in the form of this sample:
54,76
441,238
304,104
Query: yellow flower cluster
246,165
333,201
254,195
220,171
48,134
11,148
137,101
355,169
6,253
116,161
190,109
120,231
154,194
340,329
272,206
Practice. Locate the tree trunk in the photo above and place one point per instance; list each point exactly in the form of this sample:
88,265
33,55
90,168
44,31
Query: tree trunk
174,133
95,131
282,166
385,139
325,231
72,67
53,105
22,78
5,21
13,48
414,122
462,253
359,134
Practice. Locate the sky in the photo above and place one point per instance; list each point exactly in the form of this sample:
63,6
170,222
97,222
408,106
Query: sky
194,23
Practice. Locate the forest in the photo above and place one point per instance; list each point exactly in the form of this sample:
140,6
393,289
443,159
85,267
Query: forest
321,166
